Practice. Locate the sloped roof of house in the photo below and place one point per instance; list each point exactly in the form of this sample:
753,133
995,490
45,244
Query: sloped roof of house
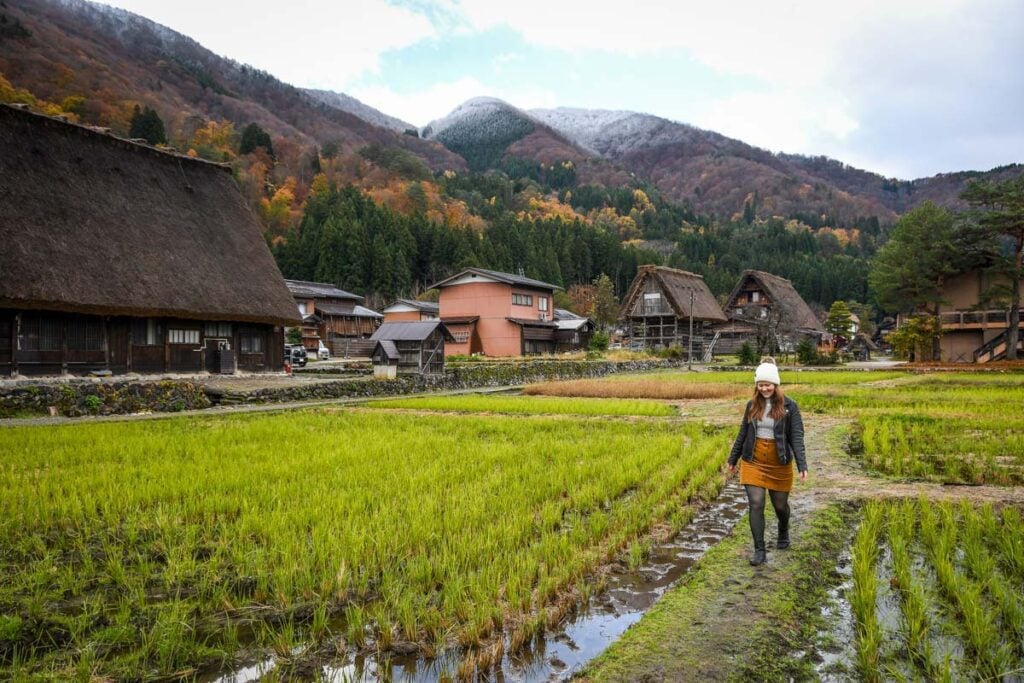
320,290
94,224
425,306
781,292
351,310
494,275
676,285
410,331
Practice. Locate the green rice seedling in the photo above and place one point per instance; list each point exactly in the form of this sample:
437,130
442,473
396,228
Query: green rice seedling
529,405
864,593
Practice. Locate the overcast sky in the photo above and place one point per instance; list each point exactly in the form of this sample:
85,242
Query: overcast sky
906,88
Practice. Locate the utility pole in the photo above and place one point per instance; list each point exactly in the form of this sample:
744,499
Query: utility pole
689,352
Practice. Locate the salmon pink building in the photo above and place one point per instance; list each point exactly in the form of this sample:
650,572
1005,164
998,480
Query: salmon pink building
497,314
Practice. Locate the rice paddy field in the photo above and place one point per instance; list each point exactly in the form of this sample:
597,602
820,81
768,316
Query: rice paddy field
166,548
937,592
177,548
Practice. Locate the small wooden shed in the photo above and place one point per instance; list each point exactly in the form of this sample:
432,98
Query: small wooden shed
409,347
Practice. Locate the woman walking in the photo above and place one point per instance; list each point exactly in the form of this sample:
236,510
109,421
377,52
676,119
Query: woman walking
771,437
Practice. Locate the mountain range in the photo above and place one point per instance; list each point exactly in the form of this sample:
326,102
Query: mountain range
112,59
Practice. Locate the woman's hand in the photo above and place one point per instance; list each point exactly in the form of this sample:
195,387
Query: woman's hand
803,475
731,468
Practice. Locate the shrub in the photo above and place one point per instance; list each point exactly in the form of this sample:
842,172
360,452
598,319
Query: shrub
599,342
747,355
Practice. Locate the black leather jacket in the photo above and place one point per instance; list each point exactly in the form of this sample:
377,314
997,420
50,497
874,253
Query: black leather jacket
789,437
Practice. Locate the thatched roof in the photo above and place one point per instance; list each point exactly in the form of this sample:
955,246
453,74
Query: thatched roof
676,285
90,223
796,313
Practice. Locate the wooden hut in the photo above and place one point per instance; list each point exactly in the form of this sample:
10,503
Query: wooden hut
118,257
766,311
335,317
660,305
574,331
410,347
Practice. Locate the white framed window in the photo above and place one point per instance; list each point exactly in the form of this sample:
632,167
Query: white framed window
755,296
302,307
461,337
221,330
183,336
522,300
542,303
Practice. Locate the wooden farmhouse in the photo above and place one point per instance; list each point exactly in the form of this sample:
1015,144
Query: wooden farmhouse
574,331
411,310
660,304
498,314
409,347
973,328
766,311
335,317
118,257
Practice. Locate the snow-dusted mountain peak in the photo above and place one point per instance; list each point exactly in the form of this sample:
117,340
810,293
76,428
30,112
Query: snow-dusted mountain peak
612,133
471,112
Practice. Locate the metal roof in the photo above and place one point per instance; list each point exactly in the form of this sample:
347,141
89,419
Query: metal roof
319,290
508,278
355,311
425,306
410,331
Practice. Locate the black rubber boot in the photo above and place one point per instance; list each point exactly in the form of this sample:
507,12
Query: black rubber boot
759,555
783,541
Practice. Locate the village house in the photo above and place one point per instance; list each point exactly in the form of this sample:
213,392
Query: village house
766,311
974,330
574,331
497,314
335,317
118,257
660,305
411,310
409,347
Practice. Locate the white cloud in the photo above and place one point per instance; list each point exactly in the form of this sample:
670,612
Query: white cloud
423,106
304,42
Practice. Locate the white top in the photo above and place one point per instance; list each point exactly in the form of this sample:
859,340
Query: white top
766,425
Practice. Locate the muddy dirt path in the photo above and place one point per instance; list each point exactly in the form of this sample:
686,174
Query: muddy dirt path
716,626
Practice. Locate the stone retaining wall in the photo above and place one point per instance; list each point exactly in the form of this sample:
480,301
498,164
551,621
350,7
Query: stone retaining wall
77,397
82,397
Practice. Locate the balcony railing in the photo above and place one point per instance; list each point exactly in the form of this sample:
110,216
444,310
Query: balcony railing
957,320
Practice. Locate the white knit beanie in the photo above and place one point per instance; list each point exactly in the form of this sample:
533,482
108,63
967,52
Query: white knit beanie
767,371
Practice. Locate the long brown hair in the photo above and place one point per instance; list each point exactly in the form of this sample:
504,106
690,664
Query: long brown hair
757,405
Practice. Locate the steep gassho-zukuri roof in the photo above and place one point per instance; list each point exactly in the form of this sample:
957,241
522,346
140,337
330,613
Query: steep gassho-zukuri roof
91,223
677,285
781,292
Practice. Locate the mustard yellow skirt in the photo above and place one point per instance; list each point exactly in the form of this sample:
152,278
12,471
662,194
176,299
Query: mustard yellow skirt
765,470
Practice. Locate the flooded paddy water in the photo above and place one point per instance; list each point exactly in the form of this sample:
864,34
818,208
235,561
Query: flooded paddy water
558,654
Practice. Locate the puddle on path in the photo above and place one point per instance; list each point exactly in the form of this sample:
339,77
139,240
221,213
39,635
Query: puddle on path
558,655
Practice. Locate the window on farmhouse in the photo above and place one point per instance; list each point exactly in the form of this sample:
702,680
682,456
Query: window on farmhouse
461,337
147,332
219,330
250,342
183,336
542,303
522,300
85,335
40,333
